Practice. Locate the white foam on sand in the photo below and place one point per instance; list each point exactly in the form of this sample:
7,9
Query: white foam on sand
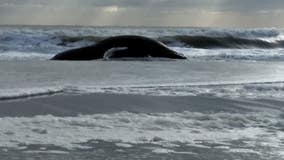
123,145
47,152
166,151
128,129
241,150
247,90
18,56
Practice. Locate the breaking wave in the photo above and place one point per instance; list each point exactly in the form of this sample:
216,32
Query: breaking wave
205,42
246,90
14,94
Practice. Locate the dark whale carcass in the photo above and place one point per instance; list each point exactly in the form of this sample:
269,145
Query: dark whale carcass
121,47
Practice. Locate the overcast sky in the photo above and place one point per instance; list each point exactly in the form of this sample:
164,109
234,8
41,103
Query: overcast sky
207,13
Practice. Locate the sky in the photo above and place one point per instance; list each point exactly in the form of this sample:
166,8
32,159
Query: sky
195,13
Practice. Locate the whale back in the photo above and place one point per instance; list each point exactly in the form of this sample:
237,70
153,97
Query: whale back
136,46
143,45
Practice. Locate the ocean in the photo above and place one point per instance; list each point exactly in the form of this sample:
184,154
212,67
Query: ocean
224,102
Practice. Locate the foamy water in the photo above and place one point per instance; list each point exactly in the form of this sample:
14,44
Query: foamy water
168,131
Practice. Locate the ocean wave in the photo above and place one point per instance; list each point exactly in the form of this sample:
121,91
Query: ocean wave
195,43
245,90
204,42
55,39
232,54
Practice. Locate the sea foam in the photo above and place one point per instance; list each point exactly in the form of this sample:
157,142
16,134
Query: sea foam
200,130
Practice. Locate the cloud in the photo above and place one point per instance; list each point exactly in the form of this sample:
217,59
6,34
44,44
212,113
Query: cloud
226,4
143,12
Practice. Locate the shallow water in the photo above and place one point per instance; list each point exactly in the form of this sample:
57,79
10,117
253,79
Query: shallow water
29,78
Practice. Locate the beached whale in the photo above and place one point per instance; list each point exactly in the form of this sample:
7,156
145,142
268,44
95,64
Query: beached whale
121,47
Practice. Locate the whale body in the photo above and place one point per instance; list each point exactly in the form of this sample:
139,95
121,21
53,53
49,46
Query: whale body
128,46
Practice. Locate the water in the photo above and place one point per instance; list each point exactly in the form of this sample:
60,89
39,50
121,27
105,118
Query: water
244,66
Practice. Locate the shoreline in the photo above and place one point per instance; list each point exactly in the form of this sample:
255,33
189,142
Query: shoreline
105,103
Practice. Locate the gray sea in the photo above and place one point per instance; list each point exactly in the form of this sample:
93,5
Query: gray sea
231,89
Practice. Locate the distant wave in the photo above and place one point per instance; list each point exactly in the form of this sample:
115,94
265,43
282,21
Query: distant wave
204,42
221,42
65,40
254,54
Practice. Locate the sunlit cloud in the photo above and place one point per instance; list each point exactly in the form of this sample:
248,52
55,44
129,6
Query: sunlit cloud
111,9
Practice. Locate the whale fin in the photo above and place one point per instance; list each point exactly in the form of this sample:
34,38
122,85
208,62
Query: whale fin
111,52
